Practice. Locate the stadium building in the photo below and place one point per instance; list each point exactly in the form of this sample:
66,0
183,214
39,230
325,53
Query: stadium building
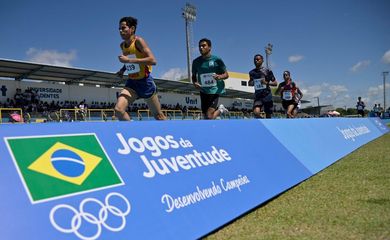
59,85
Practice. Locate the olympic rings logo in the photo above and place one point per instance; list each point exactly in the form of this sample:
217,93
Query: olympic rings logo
99,221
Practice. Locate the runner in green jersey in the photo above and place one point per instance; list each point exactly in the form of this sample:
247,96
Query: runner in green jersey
208,75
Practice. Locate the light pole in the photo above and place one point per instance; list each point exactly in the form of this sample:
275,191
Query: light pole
384,90
318,105
268,51
189,15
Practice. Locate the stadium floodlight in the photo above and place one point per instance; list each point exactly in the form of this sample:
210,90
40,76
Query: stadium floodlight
189,12
268,51
384,90
189,15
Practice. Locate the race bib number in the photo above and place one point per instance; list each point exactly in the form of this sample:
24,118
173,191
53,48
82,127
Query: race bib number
132,68
207,80
360,107
287,95
258,85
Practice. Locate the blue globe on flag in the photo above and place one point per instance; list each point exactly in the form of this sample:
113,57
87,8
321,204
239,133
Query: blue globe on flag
67,163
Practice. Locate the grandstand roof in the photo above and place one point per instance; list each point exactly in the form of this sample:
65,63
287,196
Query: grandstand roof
20,70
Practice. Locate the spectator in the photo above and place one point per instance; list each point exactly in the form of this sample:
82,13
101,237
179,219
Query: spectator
18,98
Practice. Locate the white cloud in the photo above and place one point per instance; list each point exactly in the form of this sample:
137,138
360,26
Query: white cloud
336,89
295,58
341,96
360,65
336,95
374,91
375,94
386,57
175,74
51,57
311,92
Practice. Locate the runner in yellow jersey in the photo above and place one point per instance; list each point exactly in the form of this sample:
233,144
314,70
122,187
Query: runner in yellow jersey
138,60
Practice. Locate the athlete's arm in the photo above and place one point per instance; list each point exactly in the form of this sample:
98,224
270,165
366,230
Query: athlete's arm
196,85
143,47
121,71
278,90
194,79
250,82
273,83
222,68
300,93
222,76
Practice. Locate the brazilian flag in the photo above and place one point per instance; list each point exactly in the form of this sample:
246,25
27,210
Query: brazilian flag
57,166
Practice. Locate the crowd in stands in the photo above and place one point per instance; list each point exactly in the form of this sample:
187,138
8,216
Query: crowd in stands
30,103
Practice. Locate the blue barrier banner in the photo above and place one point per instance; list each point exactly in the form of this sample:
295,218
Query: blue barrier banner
318,143
156,180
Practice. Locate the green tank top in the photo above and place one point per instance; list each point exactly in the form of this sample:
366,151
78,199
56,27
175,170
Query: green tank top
204,69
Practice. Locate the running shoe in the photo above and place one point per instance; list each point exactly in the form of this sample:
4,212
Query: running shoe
223,110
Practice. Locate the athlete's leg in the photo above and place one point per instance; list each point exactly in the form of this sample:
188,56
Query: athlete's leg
126,97
205,105
212,113
209,103
155,107
268,109
290,111
295,111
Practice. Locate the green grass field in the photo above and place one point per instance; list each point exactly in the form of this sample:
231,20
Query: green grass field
348,200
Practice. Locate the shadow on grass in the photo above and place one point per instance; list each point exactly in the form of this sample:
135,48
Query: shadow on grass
379,201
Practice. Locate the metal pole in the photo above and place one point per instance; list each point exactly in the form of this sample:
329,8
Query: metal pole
188,51
384,90
189,14
268,51
318,103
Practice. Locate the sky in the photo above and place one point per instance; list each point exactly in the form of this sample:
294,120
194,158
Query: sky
336,50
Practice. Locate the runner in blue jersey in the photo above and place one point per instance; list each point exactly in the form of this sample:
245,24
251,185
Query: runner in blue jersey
262,78
208,73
